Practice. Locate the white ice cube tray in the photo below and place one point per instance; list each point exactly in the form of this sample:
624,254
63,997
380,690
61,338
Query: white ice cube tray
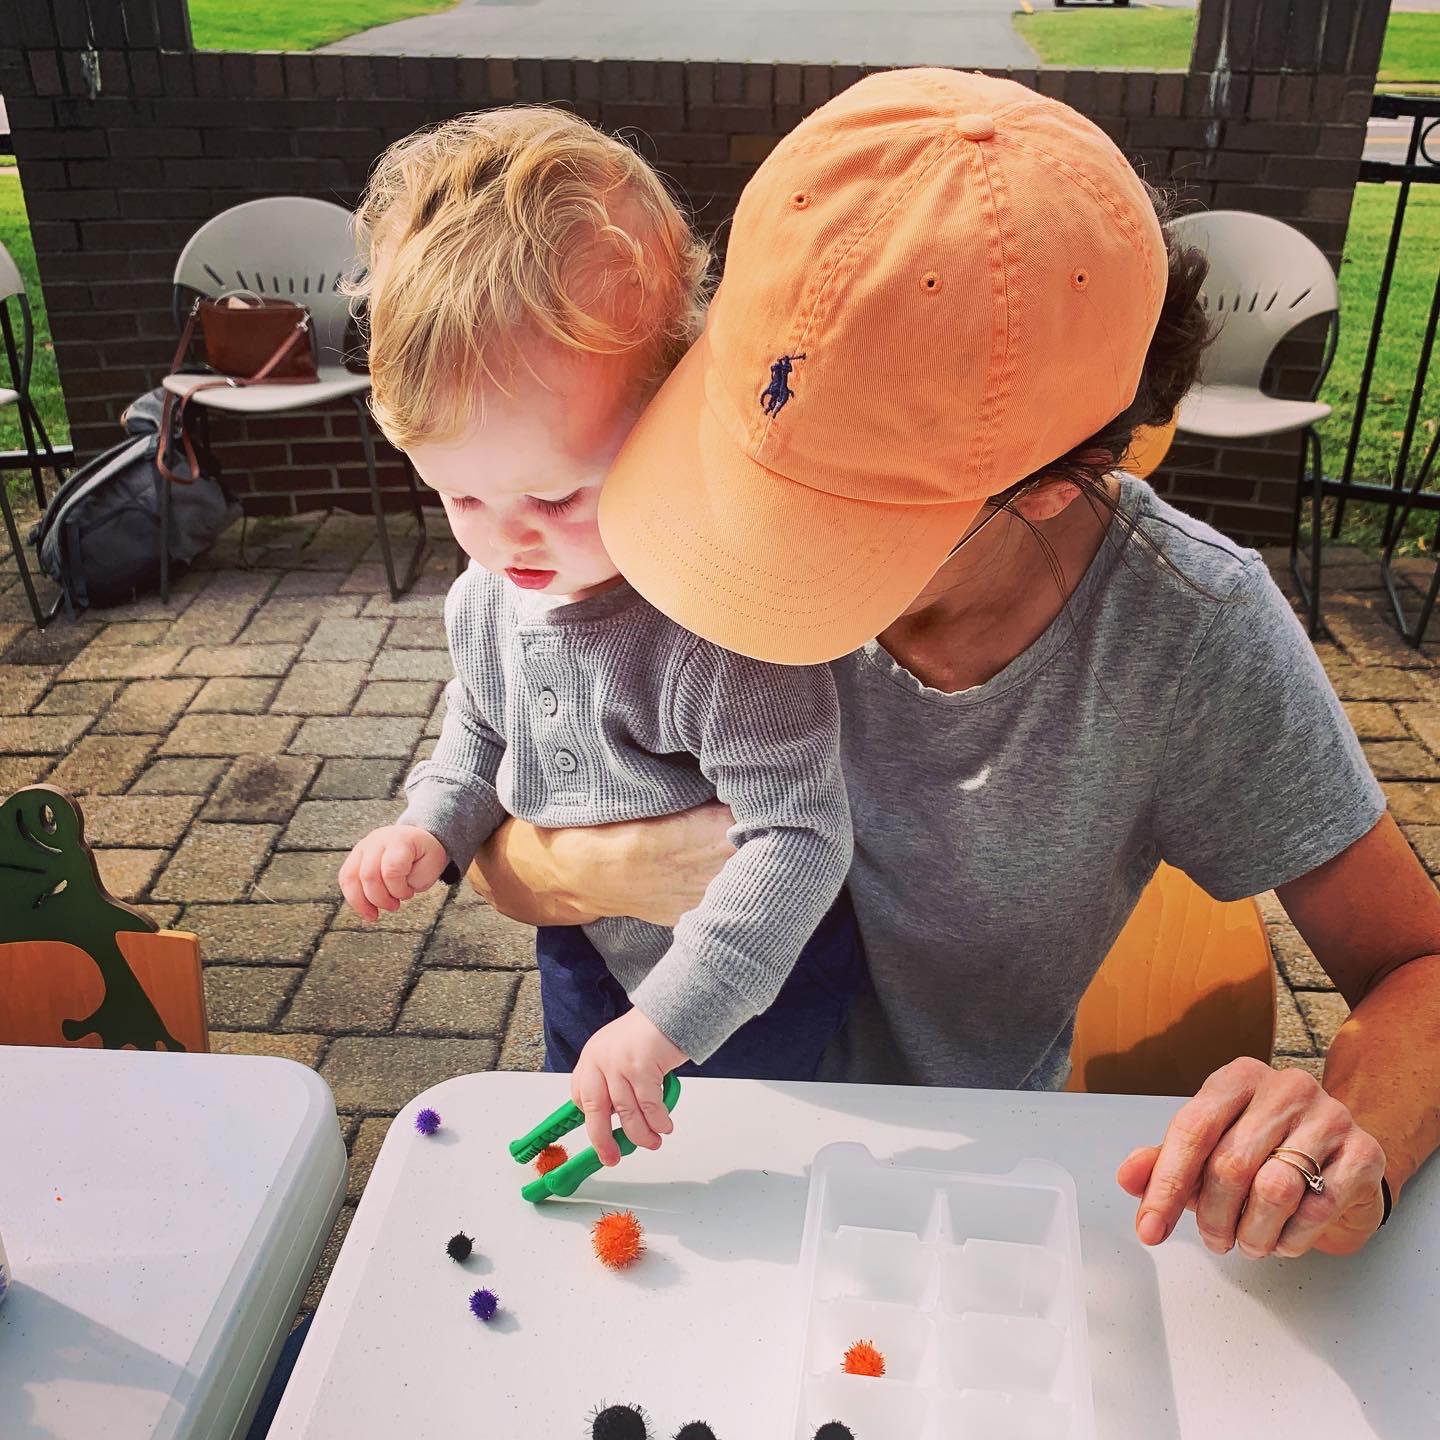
971,1287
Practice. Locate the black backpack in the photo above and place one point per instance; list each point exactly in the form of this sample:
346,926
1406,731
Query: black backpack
99,538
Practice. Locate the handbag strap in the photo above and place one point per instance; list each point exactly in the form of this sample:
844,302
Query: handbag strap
173,414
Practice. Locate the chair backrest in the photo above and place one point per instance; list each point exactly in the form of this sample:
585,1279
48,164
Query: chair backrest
289,247
1265,279
12,283
78,967
1188,986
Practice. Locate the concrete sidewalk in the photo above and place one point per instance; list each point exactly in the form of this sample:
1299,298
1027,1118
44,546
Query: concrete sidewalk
967,33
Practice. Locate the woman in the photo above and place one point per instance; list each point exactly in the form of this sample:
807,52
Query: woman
947,305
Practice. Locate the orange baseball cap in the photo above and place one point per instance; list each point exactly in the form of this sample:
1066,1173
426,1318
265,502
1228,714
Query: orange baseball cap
936,284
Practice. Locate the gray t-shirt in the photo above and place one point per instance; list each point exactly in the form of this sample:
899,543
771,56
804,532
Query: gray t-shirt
1003,834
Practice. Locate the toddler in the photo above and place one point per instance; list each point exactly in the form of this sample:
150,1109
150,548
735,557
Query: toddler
529,285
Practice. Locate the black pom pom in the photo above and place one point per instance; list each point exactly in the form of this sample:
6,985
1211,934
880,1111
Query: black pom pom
459,1246
695,1430
620,1422
834,1430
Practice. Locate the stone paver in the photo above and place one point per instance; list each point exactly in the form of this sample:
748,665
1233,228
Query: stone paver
147,707
237,735
140,820
307,1049
398,697
378,1074
341,779
127,874
474,936
40,734
22,685
122,662
1324,1012
216,862
180,777
103,764
1426,841
233,695
391,736
364,1150
302,875
415,914
335,824
354,983
257,933
459,1002
238,660
1375,721
336,639
1401,760
261,787
417,635
412,665
79,697
524,1047
320,688
20,770
240,997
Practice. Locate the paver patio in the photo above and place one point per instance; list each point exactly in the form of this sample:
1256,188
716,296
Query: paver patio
233,745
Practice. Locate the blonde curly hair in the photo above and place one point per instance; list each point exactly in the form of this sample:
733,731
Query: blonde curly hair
506,225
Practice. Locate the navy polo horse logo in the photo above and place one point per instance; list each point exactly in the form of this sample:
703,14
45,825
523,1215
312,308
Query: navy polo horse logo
775,395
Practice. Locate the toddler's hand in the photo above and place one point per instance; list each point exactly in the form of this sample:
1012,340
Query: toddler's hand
391,864
622,1071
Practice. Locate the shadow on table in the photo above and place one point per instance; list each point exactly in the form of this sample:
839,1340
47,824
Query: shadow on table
92,1356
766,1208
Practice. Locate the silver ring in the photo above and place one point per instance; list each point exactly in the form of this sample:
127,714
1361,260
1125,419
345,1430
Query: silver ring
1314,1177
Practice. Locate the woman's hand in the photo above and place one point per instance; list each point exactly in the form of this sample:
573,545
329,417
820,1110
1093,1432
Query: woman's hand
1216,1160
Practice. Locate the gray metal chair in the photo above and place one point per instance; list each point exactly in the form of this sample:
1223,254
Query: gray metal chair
1266,278
288,247
19,349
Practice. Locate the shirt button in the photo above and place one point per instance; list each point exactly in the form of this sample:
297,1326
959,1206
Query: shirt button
549,705
565,762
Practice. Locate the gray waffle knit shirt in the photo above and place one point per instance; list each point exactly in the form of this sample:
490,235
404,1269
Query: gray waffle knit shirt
604,710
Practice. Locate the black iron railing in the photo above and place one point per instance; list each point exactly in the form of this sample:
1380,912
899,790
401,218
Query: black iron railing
1406,491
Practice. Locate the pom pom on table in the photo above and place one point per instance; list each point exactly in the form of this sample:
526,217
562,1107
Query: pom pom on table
484,1304
862,1358
620,1422
695,1430
459,1246
618,1239
834,1430
427,1122
552,1157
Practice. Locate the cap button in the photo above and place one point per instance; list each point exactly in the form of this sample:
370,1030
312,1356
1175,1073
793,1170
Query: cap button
976,127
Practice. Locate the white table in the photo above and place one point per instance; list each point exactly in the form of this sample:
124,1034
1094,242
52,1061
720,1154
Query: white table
162,1216
1183,1344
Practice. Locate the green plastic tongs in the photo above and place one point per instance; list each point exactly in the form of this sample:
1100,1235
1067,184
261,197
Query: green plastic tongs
569,1177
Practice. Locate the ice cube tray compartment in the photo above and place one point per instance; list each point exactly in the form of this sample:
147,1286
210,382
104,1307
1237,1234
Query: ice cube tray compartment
969,1285
888,1265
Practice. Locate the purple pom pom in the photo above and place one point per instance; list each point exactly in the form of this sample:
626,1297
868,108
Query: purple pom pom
484,1304
427,1122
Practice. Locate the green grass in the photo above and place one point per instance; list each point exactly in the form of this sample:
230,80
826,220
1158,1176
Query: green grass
44,382
1143,39
1394,378
295,24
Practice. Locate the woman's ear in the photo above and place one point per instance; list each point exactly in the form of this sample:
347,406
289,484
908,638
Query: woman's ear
1046,500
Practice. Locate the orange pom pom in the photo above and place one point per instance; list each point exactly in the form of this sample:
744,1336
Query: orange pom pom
618,1239
862,1358
552,1157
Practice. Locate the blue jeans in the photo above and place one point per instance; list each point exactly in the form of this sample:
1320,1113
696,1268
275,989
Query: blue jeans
580,995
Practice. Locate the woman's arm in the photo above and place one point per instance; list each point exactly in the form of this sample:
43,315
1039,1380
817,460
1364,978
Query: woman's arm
1372,917
655,870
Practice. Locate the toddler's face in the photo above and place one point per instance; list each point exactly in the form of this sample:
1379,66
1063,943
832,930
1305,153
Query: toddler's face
521,486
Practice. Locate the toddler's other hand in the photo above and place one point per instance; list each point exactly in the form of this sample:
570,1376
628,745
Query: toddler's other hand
621,1071
390,865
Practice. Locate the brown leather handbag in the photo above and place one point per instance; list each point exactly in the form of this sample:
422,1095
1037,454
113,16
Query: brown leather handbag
249,340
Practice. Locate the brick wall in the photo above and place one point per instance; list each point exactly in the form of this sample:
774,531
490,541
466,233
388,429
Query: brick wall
124,150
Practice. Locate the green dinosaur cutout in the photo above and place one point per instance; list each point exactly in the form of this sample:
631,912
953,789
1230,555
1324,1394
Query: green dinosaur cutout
50,890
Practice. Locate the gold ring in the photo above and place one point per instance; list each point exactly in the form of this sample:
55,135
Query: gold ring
1313,1177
